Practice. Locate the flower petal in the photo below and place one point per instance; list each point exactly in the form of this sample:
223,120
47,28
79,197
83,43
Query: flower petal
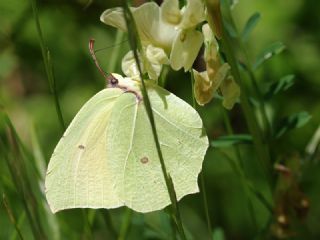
193,14
156,55
202,87
114,17
147,20
170,11
230,91
219,76
185,49
211,48
129,66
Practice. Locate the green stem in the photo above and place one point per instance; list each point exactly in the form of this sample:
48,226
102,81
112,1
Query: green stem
262,106
254,81
136,46
202,180
48,64
260,146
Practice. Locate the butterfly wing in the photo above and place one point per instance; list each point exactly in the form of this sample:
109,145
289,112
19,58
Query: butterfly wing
78,175
139,181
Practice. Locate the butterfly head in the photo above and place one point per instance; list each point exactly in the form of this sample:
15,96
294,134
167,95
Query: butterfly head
127,84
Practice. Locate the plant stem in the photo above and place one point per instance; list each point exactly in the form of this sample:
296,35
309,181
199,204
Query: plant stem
254,82
260,146
202,180
136,46
48,64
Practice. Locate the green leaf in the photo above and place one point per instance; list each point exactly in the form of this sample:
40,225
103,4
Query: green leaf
251,23
272,50
296,120
227,141
230,29
282,85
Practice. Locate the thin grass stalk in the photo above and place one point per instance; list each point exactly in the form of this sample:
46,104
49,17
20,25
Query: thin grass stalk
202,180
11,216
21,180
48,64
136,46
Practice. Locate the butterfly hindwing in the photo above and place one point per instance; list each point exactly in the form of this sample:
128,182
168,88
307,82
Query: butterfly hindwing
140,183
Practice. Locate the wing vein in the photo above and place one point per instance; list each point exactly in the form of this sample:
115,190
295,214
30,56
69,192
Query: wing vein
131,141
171,123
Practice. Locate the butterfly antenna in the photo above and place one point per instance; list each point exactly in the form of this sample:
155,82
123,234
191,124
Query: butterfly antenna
91,48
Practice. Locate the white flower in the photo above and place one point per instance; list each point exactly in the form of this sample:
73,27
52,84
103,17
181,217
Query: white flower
166,30
155,56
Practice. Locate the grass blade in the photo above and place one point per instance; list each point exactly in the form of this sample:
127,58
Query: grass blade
48,64
11,216
136,46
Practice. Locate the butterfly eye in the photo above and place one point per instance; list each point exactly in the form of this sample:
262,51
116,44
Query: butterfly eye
114,81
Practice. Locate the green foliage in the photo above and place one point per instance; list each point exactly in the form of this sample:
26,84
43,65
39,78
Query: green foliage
268,53
282,85
250,25
230,140
293,121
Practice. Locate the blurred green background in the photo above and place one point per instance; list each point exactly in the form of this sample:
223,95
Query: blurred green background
68,26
